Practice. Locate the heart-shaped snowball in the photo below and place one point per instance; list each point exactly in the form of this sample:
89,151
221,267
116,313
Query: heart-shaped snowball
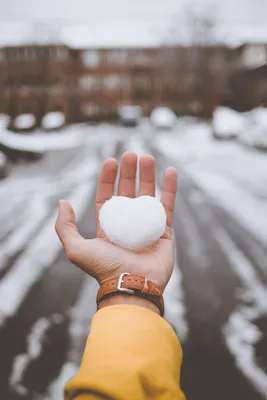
133,223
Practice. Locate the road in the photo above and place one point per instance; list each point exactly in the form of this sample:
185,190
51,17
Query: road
216,299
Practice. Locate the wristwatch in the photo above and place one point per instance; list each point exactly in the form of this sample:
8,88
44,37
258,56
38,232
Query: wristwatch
131,285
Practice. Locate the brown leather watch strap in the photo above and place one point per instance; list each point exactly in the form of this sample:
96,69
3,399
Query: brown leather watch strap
131,284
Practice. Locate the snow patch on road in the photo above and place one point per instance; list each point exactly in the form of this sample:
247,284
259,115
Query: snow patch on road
39,256
14,243
41,142
81,316
35,341
249,211
240,333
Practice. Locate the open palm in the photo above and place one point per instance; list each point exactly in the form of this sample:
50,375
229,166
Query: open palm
102,259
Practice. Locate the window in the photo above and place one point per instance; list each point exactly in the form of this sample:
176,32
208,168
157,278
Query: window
89,82
112,82
61,53
91,58
142,82
118,57
142,58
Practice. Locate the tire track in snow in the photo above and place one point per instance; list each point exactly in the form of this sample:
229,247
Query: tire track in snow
84,173
15,242
79,327
41,252
37,345
241,334
12,217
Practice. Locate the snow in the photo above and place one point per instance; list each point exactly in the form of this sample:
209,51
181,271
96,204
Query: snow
260,116
41,252
256,135
36,341
175,312
24,121
4,121
133,223
235,178
41,141
243,207
241,335
53,120
163,117
227,122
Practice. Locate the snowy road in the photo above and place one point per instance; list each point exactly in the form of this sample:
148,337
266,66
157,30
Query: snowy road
216,300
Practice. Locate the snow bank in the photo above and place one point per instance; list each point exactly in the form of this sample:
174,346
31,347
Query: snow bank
256,134
4,121
163,117
260,116
227,122
40,142
53,120
24,121
194,141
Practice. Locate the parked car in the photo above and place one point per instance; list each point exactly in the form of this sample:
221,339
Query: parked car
163,118
53,120
130,115
227,123
3,165
256,133
24,122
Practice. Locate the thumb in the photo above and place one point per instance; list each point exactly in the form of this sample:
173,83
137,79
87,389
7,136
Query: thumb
67,230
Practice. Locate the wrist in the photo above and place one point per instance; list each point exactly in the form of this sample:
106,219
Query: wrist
125,299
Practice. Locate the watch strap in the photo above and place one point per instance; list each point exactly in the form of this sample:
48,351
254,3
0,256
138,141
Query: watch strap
131,284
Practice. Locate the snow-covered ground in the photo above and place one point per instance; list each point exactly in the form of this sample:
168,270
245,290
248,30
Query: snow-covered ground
223,173
42,141
235,177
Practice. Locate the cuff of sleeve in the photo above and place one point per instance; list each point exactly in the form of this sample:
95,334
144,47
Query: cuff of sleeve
129,348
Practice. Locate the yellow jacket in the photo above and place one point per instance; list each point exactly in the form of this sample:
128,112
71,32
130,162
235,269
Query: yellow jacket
131,354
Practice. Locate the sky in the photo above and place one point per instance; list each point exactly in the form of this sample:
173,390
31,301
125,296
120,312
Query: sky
120,19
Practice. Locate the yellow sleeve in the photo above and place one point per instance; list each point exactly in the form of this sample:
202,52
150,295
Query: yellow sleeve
130,354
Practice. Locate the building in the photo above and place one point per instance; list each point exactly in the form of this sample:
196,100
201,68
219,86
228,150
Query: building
35,79
247,80
91,83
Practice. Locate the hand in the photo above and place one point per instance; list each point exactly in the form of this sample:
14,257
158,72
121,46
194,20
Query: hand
102,259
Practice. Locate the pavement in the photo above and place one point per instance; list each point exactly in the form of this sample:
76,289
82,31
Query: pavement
216,299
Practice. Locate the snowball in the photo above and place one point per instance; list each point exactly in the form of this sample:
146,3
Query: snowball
133,223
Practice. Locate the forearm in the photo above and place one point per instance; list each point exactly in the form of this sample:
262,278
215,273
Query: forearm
130,352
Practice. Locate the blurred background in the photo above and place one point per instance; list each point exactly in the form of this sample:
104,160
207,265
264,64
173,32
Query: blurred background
185,81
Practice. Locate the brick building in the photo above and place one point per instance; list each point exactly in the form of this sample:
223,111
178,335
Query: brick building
35,79
92,83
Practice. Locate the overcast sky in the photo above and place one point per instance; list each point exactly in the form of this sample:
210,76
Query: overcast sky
237,16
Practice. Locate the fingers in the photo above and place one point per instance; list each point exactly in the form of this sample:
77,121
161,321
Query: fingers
147,175
66,229
169,189
127,174
105,187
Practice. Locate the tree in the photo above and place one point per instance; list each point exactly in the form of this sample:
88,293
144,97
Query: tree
197,64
